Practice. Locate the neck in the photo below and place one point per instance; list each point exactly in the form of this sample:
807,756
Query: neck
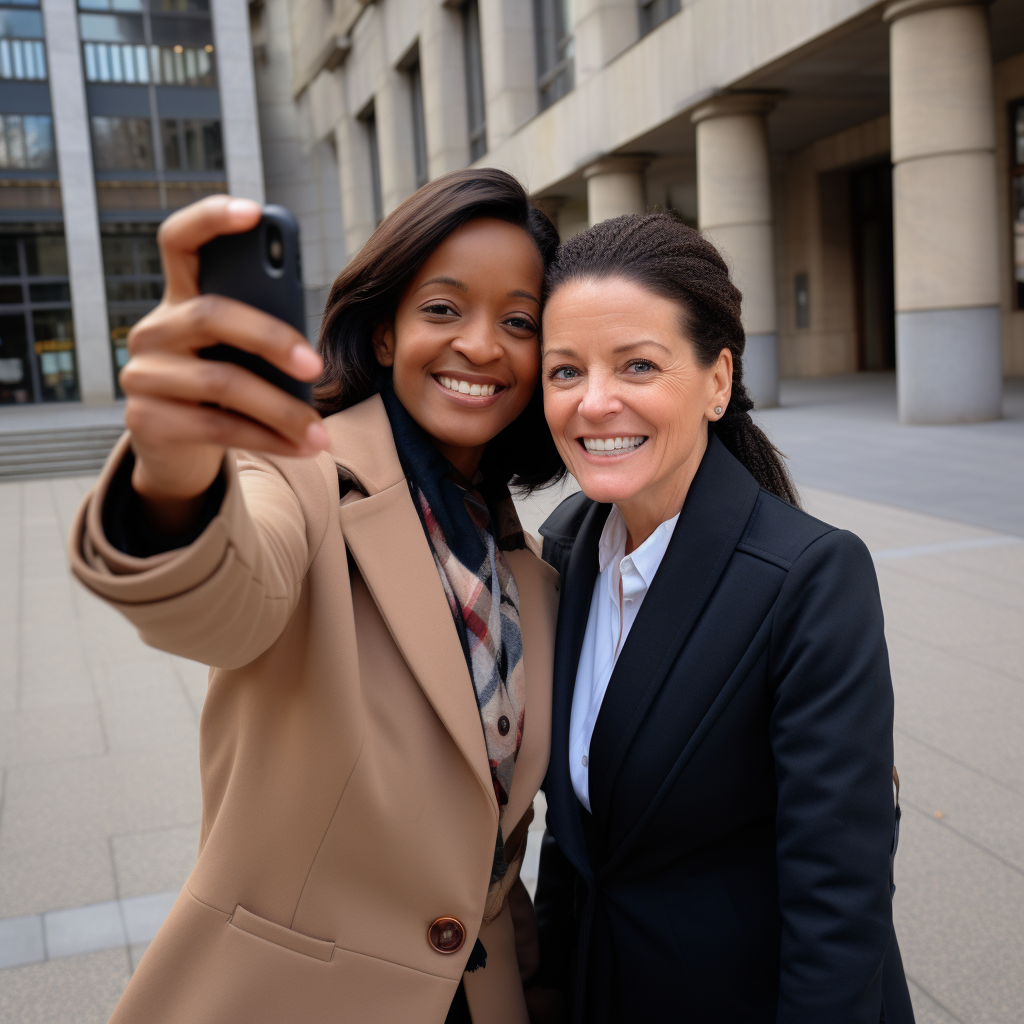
465,460
645,511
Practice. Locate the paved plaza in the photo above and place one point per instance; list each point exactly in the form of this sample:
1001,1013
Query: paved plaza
99,781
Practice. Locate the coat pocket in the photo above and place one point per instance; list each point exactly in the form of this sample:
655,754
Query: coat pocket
319,949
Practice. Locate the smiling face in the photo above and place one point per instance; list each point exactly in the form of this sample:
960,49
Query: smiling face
625,398
464,346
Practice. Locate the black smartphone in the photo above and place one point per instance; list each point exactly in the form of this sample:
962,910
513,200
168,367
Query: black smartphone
262,268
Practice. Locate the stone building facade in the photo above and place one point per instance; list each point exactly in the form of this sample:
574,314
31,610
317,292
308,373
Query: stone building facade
860,163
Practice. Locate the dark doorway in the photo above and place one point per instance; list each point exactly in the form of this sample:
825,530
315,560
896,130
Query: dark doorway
871,193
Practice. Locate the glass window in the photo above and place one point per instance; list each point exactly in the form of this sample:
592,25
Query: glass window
802,302
554,44
110,5
26,141
55,349
45,256
37,344
476,108
122,144
654,12
131,264
21,24
192,33
111,28
369,122
419,125
15,376
192,145
1017,132
22,59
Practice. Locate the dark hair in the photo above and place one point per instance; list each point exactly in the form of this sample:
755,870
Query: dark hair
367,292
664,255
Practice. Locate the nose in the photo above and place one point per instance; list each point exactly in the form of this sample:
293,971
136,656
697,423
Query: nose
599,400
479,343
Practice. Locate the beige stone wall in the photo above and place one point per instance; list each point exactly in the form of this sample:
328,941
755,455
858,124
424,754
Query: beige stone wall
1009,86
811,193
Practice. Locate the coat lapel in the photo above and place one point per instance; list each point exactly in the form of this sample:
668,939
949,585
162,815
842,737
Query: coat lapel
402,569
563,807
714,516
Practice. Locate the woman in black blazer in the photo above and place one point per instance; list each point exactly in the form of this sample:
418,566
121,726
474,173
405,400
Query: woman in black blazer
721,822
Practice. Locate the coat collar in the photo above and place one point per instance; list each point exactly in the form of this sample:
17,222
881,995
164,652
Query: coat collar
384,535
714,516
580,575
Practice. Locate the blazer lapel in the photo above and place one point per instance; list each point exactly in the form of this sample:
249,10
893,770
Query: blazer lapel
563,806
710,526
400,570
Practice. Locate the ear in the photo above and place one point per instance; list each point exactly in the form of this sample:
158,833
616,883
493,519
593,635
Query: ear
384,344
721,385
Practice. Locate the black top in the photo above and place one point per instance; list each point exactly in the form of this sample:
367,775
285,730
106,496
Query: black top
736,867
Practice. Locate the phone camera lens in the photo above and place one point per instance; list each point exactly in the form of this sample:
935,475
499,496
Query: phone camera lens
275,247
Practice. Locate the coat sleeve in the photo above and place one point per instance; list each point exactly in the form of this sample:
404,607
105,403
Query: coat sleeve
831,735
226,597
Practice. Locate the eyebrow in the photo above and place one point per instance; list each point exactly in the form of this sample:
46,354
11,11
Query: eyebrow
637,344
453,282
518,293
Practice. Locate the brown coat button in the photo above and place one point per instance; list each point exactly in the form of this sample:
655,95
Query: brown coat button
447,935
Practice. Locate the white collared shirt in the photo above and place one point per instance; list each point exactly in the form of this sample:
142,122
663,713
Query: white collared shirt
608,625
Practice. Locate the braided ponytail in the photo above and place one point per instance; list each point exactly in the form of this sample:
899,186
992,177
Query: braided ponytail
672,260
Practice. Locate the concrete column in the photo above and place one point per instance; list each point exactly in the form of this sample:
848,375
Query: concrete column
443,74
510,66
602,30
392,105
78,197
734,210
948,353
240,126
356,186
615,186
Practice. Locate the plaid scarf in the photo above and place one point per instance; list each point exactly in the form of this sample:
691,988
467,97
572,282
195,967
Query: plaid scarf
468,529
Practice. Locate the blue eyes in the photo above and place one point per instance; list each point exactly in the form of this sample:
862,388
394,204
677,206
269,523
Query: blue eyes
637,367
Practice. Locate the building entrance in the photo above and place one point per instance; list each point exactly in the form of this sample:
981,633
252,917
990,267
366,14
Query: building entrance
871,193
37,341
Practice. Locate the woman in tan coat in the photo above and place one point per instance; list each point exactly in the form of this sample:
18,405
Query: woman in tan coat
379,631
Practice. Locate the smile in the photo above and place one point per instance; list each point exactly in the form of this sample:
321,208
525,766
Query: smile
611,445
465,387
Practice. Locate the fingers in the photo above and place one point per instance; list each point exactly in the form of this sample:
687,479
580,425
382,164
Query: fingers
167,376
177,424
182,234
207,319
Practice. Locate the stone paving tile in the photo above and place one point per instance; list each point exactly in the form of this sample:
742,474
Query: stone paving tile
979,808
77,990
971,712
83,929
40,874
926,1009
21,941
958,915
52,734
144,915
155,861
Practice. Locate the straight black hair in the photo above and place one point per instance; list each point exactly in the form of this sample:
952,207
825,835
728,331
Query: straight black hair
367,292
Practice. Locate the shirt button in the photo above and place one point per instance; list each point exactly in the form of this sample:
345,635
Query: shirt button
503,725
585,760
446,935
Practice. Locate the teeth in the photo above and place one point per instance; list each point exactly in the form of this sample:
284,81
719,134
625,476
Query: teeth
609,444
465,388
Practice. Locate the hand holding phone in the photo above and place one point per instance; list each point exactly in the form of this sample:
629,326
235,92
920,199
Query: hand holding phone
185,410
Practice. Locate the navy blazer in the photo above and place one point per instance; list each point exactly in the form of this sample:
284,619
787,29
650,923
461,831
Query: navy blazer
736,866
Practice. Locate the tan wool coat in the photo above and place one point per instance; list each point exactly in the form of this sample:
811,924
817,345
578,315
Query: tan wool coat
347,799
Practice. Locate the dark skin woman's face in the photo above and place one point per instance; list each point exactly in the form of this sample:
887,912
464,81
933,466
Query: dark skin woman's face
465,343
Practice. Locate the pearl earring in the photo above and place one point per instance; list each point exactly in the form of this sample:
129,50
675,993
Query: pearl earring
718,410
